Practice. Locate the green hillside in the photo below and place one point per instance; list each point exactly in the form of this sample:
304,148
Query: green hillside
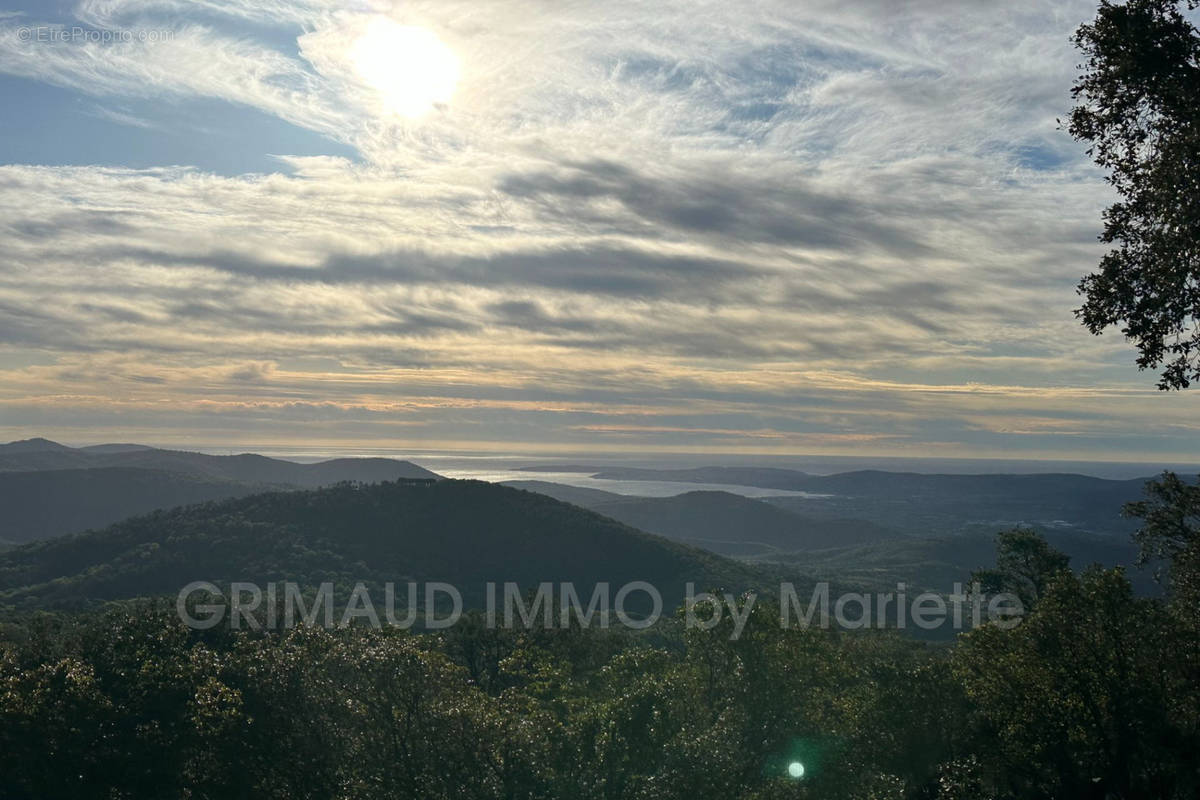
462,532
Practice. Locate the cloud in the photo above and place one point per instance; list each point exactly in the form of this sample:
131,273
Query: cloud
254,372
810,225
759,208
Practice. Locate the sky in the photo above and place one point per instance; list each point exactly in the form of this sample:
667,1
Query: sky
555,226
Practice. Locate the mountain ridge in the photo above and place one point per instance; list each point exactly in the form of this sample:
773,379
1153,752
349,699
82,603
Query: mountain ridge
42,454
463,532
48,489
723,522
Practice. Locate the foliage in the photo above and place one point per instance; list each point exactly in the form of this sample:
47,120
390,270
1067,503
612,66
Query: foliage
1085,698
1170,529
1088,697
463,532
1025,566
1137,109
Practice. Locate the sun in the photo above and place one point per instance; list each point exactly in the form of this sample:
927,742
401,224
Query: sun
412,69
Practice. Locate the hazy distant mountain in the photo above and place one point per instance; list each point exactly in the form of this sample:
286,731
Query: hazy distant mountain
719,521
874,529
38,445
48,489
45,503
937,563
40,454
922,504
761,477
729,523
926,505
116,447
462,532
576,495
863,481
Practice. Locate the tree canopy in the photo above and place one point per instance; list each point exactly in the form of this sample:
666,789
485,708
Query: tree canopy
1138,108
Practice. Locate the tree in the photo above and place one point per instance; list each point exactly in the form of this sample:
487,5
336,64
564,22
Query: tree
1170,530
1085,698
1138,108
1025,565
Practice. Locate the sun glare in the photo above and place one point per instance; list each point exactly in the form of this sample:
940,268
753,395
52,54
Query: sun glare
412,70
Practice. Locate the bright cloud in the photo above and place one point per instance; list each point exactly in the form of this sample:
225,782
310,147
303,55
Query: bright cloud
807,227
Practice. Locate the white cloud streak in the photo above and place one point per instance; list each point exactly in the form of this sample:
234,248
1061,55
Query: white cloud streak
797,220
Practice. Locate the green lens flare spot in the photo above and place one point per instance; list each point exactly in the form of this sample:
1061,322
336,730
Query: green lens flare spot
796,769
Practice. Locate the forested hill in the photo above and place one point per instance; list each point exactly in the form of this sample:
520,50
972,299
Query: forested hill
463,532
48,489
45,503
